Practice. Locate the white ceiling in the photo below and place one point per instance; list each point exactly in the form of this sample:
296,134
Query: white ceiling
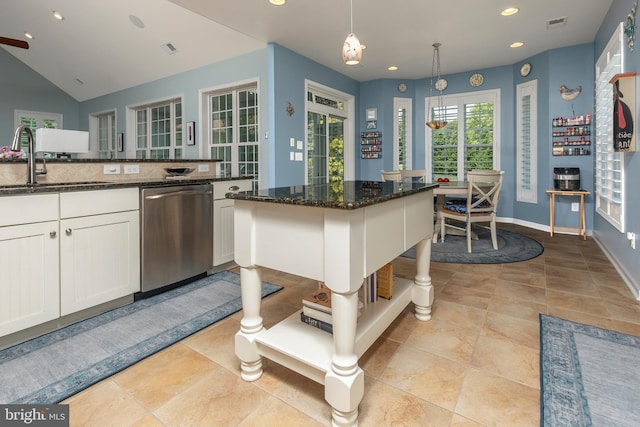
98,44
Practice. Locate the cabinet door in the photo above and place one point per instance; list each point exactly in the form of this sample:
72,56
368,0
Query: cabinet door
222,231
29,281
99,259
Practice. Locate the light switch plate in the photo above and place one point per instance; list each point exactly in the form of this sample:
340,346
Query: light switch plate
131,169
203,168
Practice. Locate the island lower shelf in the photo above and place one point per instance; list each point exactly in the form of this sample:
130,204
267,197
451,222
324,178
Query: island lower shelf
308,350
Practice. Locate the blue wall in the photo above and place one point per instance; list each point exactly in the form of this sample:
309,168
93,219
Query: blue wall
21,88
612,240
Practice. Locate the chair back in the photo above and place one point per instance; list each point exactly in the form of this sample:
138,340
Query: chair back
391,175
483,192
410,173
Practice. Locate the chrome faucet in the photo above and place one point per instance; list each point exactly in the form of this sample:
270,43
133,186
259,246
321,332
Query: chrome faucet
31,162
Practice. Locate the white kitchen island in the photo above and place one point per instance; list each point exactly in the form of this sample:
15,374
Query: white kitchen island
337,234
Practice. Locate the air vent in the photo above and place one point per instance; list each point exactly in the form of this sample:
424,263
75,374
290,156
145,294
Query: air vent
557,22
169,48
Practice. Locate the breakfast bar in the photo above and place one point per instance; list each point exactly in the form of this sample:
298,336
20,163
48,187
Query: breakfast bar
336,233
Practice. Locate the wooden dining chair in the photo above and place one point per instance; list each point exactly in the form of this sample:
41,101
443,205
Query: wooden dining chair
391,175
421,174
481,205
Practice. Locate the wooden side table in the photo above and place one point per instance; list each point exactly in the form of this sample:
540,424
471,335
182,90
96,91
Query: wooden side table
582,225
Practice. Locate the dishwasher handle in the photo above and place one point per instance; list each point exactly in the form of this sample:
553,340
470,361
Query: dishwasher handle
178,193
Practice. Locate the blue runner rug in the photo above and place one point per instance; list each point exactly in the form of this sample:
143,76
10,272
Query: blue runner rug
588,376
52,367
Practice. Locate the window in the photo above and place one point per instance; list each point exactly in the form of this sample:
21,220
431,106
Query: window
609,197
402,129
35,119
471,138
233,130
158,131
527,142
103,134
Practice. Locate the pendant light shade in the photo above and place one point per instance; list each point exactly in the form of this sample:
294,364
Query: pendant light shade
352,49
435,123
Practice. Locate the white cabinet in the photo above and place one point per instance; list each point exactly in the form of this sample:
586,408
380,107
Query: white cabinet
99,247
223,218
29,276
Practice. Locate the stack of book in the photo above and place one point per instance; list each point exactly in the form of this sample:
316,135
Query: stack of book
316,307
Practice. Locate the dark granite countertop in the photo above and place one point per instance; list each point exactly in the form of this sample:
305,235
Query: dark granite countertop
6,190
347,195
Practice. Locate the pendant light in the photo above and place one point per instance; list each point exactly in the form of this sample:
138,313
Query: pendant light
352,49
435,70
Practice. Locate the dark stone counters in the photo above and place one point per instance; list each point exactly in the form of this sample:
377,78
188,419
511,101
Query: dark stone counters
346,195
6,190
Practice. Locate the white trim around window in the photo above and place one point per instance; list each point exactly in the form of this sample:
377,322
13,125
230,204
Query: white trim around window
527,141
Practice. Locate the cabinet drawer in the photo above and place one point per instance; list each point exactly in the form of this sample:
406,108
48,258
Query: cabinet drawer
28,209
84,203
220,188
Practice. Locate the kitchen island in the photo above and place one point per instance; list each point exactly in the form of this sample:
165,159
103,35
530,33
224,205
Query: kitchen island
336,233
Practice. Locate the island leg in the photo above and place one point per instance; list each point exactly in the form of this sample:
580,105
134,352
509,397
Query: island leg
251,323
344,382
422,292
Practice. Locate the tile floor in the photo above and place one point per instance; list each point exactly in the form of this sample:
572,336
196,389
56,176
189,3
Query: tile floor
476,363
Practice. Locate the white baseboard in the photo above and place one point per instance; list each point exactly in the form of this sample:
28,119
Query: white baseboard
631,282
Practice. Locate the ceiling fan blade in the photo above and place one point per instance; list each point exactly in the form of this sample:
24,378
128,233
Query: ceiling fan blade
14,42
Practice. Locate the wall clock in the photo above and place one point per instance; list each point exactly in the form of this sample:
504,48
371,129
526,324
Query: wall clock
441,84
525,69
476,80
402,88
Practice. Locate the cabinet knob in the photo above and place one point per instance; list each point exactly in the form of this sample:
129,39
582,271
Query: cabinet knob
53,234
68,231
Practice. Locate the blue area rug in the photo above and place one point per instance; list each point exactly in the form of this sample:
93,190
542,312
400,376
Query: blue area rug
588,376
512,247
50,368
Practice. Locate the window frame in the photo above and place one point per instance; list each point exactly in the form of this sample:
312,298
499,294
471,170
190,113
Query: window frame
407,105
609,165
177,135
461,99
94,134
524,194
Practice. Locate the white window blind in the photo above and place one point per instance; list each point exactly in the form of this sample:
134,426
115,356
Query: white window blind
609,165
527,142
403,127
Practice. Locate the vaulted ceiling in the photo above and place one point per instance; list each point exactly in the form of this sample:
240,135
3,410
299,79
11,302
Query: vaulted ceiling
104,46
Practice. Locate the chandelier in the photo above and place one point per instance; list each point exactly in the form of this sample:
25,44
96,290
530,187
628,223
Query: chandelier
352,49
436,123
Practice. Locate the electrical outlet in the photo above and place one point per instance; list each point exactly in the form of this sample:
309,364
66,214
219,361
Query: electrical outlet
631,236
111,169
575,207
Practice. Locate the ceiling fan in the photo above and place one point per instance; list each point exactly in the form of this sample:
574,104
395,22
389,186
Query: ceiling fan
14,42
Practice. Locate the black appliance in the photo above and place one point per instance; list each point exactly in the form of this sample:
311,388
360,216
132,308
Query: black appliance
566,179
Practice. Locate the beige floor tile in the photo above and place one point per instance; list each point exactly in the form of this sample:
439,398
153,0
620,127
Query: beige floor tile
217,343
460,421
494,401
459,314
148,421
384,405
374,360
508,360
581,287
272,412
518,308
623,311
575,302
157,379
444,339
427,376
219,398
523,332
472,281
579,317
105,404
521,291
402,326
465,296
532,277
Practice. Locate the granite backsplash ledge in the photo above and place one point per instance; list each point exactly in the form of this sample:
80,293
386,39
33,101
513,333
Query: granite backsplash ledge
14,171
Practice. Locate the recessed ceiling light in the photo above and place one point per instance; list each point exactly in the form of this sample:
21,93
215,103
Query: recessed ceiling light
392,68
516,44
509,11
277,2
58,15
28,35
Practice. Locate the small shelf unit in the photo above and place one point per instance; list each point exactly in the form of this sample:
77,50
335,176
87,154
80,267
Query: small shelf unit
571,137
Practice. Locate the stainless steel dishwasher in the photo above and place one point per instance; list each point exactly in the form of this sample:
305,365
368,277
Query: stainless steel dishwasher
177,234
